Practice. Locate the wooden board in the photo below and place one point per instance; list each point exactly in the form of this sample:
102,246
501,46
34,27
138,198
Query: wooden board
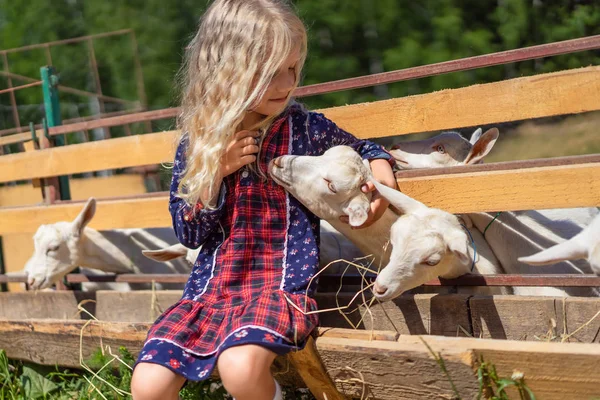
81,189
543,95
526,189
152,148
530,188
385,369
566,92
51,304
142,212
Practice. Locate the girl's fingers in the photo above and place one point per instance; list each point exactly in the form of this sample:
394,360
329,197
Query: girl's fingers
252,149
249,159
245,134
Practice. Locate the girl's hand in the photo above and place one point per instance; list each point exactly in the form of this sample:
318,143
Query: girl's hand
241,151
382,171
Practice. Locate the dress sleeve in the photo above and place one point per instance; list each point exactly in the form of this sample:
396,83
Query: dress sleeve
192,225
324,134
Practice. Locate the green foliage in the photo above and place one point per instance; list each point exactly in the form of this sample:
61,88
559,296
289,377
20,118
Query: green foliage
346,39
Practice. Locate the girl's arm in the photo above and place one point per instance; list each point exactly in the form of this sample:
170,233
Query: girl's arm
192,227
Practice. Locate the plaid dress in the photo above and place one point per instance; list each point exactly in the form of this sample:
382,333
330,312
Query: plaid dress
259,252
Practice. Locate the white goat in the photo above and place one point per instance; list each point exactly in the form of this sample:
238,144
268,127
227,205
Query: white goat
63,246
584,245
513,234
426,243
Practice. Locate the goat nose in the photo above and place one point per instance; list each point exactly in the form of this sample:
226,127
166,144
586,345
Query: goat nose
379,289
395,147
277,162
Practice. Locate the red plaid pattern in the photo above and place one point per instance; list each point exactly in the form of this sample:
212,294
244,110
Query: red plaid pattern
244,290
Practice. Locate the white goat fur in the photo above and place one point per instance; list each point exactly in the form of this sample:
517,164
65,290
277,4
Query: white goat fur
513,234
584,245
419,235
63,246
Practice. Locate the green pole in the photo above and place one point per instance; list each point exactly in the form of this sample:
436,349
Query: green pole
52,108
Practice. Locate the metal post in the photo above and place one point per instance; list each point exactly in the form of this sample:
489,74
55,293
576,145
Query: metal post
3,286
52,108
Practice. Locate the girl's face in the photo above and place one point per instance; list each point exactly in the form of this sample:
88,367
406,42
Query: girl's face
276,95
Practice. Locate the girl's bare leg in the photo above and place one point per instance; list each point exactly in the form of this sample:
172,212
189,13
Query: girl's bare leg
246,372
155,382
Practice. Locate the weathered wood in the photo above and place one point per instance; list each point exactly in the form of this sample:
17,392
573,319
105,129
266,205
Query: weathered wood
565,92
55,305
542,95
532,188
309,366
583,320
517,317
421,314
526,189
144,212
137,306
403,369
152,148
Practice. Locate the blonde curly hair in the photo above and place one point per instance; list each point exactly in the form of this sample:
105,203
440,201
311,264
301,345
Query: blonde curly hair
236,52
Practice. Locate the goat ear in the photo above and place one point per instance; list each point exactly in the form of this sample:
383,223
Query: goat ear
476,135
482,146
357,211
84,217
458,245
166,254
572,249
402,202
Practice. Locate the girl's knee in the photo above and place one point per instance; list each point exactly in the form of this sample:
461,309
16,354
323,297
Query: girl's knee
241,368
153,381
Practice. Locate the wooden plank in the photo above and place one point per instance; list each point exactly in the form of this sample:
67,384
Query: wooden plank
565,92
421,314
543,95
309,366
138,306
533,188
554,371
404,369
517,317
152,148
583,320
56,305
146,212
526,189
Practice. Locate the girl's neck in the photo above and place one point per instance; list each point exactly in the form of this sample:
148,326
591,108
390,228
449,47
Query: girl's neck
251,119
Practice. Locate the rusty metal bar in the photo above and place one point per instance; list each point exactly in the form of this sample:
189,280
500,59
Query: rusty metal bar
73,121
13,99
116,121
71,90
66,41
463,64
97,84
500,166
563,280
139,77
12,89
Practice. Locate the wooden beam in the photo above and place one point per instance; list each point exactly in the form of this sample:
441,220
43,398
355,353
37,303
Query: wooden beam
383,369
144,212
516,189
525,189
566,92
543,95
152,148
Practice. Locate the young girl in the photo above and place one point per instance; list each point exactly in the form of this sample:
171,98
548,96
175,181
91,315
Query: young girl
259,244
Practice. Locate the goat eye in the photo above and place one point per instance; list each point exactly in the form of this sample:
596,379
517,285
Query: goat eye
440,149
330,186
432,262
52,249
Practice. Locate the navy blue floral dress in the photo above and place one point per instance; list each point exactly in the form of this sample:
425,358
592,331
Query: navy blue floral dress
259,252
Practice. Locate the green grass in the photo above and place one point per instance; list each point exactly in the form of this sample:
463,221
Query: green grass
111,381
